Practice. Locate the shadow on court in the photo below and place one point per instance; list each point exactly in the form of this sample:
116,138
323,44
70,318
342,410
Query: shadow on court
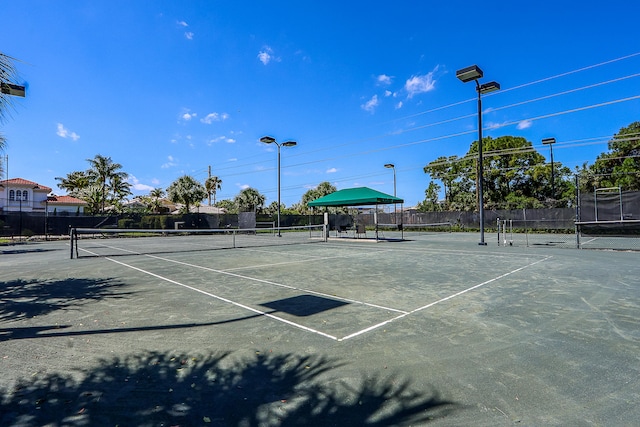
152,388
30,298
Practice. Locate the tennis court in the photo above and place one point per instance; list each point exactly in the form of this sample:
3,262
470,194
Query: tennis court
433,331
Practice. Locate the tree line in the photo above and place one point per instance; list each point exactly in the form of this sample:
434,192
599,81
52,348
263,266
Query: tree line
517,176
104,187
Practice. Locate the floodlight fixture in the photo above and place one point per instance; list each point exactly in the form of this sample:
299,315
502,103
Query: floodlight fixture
488,87
469,74
548,141
389,165
11,89
268,139
289,144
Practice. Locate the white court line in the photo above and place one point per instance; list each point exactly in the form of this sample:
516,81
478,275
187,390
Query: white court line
355,334
268,282
281,285
260,312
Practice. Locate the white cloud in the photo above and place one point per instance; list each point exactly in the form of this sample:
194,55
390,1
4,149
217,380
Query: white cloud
189,35
494,125
420,84
399,105
183,24
371,104
243,186
170,163
187,115
65,133
222,138
266,55
137,185
214,117
388,93
332,170
383,79
525,124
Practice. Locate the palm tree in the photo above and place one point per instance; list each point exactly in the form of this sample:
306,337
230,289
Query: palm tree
186,190
8,74
155,195
119,189
212,185
249,200
103,169
74,182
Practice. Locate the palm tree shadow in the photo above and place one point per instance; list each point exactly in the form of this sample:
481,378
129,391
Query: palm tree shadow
29,298
216,389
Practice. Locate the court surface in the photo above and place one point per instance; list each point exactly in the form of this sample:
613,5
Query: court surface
433,331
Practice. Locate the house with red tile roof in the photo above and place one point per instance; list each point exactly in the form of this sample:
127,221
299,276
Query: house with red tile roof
22,195
63,205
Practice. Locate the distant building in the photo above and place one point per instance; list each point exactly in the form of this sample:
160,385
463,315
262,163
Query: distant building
65,205
22,195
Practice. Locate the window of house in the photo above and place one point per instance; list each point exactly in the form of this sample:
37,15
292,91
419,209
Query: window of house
25,195
12,195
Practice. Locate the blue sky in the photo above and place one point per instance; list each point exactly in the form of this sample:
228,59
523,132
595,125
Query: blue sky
168,88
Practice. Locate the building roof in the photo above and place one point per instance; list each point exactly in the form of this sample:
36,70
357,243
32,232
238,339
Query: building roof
359,196
25,183
65,200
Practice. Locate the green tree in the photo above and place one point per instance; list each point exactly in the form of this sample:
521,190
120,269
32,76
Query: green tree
186,191
74,182
444,169
323,189
212,185
155,195
92,194
515,176
228,205
620,167
8,74
272,209
430,203
118,190
104,171
249,200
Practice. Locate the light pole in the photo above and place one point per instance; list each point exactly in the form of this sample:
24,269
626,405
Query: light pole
272,140
550,142
395,206
473,73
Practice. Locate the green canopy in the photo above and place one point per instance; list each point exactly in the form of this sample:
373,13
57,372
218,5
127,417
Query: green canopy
359,196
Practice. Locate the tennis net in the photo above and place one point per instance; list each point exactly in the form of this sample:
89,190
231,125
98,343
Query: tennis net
409,231
108,242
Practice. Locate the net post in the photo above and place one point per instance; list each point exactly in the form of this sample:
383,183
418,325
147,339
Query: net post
577,183
72,232
498,226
